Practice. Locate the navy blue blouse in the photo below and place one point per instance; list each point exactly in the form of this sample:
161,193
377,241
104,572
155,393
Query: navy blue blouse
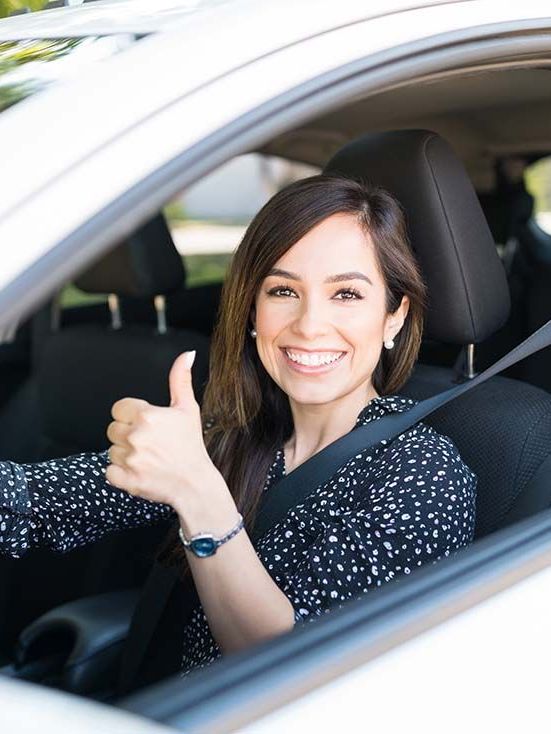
390,509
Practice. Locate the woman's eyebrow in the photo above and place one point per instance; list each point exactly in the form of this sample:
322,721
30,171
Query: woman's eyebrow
352,275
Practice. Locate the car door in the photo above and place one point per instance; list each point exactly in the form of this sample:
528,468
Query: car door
380,646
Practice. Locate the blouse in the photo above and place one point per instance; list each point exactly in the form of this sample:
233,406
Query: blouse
391,508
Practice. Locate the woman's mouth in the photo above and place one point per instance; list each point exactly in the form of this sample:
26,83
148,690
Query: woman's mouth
323,366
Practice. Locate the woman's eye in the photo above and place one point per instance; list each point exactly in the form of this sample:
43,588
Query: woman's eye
275,291
351,294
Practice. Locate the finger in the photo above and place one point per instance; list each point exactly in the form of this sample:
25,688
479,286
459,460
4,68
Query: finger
127,409
118,432
118,455
179,380
120,478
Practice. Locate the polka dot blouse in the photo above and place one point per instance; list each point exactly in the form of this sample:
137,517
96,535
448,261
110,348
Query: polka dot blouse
392,508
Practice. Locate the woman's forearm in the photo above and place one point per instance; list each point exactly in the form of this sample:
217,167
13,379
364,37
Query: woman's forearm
242,603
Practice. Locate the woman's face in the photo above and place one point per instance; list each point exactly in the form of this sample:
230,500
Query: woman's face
321,321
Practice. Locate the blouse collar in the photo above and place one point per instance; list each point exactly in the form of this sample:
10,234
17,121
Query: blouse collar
383,405
375,409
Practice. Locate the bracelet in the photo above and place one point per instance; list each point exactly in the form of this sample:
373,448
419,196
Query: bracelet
206,544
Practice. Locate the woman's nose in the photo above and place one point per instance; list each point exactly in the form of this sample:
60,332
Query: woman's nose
311,320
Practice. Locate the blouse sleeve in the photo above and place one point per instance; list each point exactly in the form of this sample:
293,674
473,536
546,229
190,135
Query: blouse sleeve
66,503
418,507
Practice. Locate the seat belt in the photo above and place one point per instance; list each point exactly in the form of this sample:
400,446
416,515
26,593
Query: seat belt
291,489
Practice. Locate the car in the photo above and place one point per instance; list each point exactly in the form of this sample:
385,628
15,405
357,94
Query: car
111,113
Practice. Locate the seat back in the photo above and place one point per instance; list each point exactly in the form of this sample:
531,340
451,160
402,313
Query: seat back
502,426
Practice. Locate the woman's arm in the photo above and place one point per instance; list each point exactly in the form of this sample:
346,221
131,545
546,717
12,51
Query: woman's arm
66,503
408,515
241,601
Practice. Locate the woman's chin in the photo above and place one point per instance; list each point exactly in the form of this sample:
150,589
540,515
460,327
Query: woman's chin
314,395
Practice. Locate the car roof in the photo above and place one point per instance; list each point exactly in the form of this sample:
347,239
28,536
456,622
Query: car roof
136,16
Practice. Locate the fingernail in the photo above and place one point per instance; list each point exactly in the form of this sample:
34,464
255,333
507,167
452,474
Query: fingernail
190,358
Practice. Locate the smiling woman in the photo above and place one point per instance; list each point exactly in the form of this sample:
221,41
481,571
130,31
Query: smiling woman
319,324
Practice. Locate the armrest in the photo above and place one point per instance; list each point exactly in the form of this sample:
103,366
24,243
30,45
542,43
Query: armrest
77,646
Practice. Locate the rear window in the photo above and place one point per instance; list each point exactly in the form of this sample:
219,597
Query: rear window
538,183
28,66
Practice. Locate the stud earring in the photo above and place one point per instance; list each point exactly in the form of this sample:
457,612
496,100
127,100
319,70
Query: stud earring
389,343
253,333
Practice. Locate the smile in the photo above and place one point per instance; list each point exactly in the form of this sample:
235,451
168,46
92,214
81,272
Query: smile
312,362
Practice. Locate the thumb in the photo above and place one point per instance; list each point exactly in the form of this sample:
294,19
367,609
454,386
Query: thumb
179,380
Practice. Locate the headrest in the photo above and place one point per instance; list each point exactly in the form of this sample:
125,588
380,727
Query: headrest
467,287
145,265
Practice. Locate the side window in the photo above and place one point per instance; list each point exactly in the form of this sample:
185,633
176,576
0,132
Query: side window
538,183
208,220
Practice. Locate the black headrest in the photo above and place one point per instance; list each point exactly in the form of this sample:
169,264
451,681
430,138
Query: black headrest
467,286
145,265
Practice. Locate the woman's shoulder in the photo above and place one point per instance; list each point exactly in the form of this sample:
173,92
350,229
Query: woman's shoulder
423,447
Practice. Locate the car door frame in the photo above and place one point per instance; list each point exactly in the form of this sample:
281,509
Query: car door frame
503,559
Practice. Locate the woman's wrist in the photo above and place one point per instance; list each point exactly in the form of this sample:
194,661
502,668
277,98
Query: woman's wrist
211,509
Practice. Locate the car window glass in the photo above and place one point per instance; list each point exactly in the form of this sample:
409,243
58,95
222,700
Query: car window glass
209,219
538,183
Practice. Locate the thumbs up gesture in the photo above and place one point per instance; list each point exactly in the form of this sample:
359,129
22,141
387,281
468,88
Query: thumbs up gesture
158,453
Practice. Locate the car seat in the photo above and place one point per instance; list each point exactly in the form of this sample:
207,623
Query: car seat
502,428
80,370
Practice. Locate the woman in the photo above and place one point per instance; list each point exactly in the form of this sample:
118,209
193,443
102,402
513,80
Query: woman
319,325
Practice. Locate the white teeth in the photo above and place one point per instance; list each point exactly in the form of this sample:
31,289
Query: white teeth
314,360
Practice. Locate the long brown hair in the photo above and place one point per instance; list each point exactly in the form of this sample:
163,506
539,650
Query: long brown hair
246,415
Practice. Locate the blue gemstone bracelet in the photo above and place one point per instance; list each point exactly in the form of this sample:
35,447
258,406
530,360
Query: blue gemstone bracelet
206,544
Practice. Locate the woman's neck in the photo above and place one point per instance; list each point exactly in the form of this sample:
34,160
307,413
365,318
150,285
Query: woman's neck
316,426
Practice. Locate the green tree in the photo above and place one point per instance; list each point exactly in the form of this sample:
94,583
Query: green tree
7,7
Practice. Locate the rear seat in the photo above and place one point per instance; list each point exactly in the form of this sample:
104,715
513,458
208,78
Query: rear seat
527,259
80,369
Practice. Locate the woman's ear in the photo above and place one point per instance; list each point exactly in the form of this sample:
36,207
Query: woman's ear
395,320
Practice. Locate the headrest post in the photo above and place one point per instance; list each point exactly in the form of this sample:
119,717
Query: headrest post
160,308
55,313
115,311
469,363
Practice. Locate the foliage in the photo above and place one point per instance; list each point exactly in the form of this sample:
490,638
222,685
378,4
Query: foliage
15,54
538,183
175,212
7,7
203,269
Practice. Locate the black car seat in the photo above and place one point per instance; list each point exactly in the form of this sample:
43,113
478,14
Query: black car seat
83,369
502,427
80,370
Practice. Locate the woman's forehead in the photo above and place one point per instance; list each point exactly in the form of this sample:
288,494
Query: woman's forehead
337,244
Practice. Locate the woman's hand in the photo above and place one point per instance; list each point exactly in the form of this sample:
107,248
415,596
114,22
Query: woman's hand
158,453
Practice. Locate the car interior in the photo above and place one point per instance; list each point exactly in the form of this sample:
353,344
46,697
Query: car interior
455,149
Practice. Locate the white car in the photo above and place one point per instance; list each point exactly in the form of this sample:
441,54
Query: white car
114,109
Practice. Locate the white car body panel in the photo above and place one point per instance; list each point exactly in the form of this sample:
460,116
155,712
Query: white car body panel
53,183
477,672
26,708
72,176
308,17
